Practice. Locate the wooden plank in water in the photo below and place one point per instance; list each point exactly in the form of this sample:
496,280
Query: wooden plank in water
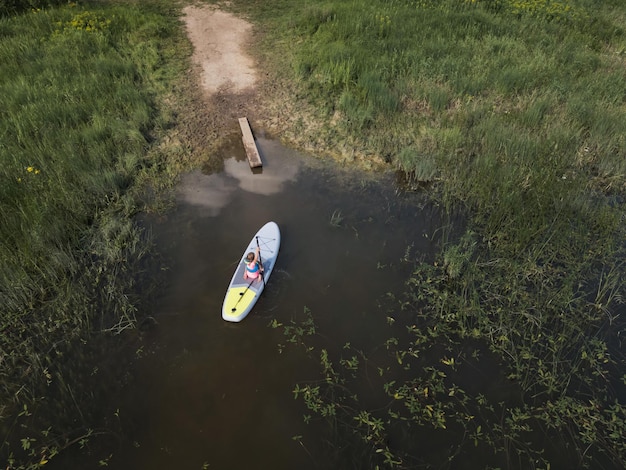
248,142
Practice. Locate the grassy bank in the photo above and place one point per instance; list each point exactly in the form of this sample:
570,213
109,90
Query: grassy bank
512,112
81,104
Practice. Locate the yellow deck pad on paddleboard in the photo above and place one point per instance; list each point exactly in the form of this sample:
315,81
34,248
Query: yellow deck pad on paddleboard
238,299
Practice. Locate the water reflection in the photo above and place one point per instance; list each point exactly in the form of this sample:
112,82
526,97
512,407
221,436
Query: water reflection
211,192
214,192
278,168
209,392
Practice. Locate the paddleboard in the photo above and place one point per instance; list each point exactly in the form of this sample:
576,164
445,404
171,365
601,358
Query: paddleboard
242,293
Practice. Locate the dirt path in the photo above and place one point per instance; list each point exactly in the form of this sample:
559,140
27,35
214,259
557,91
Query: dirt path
219,40
221,85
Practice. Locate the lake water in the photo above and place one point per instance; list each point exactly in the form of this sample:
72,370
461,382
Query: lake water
200,392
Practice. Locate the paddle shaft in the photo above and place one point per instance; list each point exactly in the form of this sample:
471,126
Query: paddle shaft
241,296
262,278
260,261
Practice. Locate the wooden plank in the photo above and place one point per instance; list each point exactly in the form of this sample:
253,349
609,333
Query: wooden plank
248,142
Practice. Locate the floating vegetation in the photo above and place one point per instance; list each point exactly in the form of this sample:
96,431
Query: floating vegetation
336,218
494,386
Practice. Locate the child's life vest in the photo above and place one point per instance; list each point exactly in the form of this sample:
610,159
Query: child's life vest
253,269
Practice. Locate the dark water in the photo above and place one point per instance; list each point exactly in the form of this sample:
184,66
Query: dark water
205,392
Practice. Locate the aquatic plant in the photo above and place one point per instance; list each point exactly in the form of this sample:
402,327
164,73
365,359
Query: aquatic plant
336,218
513,112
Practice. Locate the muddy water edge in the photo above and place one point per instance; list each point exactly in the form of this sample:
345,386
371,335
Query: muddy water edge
199,392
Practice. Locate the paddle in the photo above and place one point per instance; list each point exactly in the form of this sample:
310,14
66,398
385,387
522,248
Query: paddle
241,296
260,262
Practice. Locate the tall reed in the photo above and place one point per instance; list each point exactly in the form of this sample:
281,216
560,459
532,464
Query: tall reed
81,94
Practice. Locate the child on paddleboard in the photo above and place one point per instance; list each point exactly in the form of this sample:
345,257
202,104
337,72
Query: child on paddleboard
254,268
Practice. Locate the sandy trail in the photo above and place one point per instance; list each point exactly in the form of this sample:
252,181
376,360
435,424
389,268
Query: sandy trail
219,41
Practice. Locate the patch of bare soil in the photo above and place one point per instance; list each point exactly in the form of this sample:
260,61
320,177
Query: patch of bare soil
220,86
219,40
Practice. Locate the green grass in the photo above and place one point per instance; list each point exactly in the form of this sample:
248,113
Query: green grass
514,112
81,101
